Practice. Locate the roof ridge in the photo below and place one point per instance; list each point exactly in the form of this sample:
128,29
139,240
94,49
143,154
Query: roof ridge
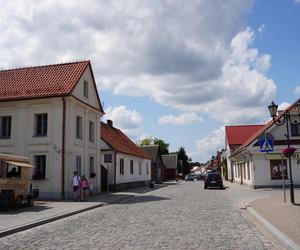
45,65
244,125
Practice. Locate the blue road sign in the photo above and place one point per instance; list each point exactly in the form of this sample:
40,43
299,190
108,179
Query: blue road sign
266,145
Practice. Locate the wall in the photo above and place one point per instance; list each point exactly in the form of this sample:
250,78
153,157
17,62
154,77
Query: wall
135,177
24,143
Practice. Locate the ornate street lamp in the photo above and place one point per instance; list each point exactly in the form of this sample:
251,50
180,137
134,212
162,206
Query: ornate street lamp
286,119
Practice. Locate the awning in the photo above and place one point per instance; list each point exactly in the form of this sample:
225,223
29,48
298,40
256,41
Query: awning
20,164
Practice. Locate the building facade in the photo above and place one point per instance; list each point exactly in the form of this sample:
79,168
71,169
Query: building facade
125,165
51,114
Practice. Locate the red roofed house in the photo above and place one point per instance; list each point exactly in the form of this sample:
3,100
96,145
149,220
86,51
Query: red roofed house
127,164
51,114
235,136
258,169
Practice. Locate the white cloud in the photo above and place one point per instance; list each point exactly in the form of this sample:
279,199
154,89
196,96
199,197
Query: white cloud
262,28
129,121
297,89
296,1
178,54
208,146
283,105
183,119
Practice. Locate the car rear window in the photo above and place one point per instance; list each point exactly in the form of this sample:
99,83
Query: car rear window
214,176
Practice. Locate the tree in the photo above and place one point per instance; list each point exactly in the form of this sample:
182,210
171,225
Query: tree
183,160
163,146
146,141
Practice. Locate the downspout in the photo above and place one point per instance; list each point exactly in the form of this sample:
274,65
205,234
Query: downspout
115,170
63,150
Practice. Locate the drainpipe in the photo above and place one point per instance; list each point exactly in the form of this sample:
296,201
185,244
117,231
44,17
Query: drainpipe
63,150
115,170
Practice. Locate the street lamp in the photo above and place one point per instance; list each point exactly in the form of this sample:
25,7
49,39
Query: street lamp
285,119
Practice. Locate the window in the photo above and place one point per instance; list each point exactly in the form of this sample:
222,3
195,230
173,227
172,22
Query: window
121,166
131,166
9,171
78,127
41,121
91,131
92,167
5,127
107,158
40,167
147,168
295,129
78,164
140,167
276,169
86,89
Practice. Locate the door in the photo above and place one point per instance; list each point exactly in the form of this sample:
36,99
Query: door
103,178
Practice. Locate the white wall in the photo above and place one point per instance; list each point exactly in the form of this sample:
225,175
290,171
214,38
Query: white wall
262,172
127,177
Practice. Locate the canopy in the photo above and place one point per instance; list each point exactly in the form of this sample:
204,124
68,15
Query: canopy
20,164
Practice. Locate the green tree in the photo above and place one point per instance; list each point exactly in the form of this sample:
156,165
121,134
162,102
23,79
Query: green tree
163,146
183,160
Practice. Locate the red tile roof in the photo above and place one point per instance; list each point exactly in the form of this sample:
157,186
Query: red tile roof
41,81
237,135
292,108
120,142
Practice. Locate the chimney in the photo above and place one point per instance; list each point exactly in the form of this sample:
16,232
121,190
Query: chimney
110,123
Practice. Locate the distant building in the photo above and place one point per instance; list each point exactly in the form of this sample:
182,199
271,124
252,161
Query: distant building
126,163
170,162
157,166
51,114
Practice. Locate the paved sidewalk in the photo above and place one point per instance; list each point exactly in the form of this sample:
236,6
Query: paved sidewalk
46,211
268,206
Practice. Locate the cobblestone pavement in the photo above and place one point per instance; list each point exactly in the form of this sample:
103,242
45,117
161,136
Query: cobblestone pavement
182,216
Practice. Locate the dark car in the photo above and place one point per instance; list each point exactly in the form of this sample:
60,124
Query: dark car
200,177
213,180
189,177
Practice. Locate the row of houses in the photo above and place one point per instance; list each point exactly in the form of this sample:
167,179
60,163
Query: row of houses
52,115
247,164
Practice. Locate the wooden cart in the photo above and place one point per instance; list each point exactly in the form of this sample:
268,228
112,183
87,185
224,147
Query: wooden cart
14,183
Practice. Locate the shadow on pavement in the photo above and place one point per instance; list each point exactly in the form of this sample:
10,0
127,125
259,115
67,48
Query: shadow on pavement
142,199
34,209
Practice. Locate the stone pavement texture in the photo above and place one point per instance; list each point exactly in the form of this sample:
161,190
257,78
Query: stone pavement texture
269,203
43,210
180,216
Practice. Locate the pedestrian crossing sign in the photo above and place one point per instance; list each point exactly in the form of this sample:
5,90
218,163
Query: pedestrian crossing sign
265,142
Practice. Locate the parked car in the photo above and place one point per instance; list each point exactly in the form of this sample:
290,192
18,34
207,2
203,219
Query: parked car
200,177
189,177
213,180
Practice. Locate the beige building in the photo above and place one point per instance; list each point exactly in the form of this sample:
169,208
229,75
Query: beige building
51,114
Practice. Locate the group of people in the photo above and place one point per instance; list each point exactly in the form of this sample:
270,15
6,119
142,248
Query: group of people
80,187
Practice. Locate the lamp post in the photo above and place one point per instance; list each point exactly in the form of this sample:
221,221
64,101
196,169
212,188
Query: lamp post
285,119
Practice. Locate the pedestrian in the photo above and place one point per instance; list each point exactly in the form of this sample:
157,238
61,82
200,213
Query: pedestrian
84,186
75,185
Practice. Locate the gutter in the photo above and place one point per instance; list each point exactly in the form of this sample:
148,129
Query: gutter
63,149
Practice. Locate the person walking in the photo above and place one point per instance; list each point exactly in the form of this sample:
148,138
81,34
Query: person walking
84,186
75,185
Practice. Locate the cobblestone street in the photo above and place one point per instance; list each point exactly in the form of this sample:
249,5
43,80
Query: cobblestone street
182,216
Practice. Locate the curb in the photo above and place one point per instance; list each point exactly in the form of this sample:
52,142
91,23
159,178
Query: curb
286,241
278,234
45,221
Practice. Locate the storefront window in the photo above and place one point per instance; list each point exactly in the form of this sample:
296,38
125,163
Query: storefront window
276,169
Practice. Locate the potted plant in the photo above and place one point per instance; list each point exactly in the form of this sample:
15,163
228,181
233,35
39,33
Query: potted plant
289,151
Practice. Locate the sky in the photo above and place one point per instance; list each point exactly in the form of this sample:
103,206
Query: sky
170,69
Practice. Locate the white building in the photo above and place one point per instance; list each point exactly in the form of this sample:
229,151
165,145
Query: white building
258,169
51,114
128,166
